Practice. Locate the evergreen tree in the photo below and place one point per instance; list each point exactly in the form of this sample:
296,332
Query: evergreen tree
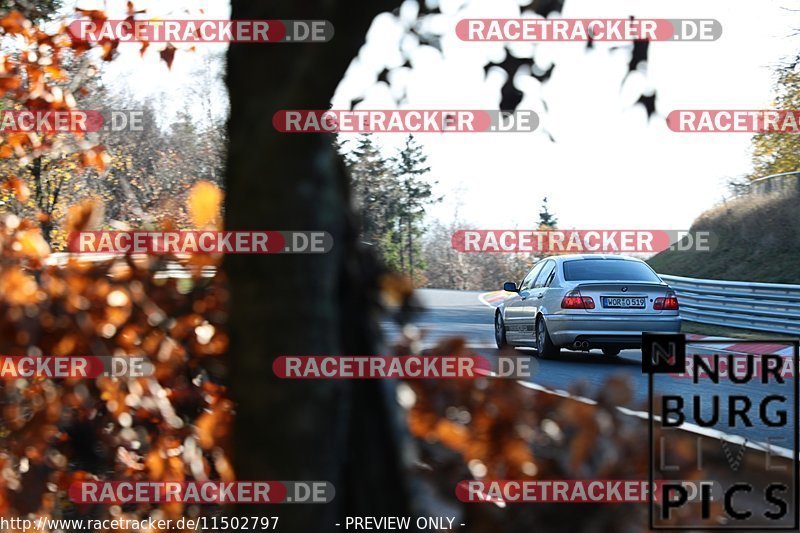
375,193
546,219
390,194
411,168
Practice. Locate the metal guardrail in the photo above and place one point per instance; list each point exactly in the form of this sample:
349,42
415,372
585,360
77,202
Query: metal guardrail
785,181
771,307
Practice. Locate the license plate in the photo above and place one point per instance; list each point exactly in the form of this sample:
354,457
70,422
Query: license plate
624,302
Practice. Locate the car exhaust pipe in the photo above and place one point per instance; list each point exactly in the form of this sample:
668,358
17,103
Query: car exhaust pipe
581,345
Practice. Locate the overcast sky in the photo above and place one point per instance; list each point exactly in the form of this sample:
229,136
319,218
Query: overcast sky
609,167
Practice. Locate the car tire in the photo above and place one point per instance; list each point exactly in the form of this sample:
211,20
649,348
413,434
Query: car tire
544,344
499,330
611,352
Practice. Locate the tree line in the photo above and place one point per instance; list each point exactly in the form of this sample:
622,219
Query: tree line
143,180
450,269
390,194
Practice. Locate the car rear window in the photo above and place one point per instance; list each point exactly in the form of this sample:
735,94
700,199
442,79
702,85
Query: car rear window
607,270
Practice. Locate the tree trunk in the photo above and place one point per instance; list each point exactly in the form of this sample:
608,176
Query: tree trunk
41,197
336,431
411,249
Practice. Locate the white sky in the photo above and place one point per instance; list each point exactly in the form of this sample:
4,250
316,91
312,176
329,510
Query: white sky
148,77
609,167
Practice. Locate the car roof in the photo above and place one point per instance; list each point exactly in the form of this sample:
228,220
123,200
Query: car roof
579,257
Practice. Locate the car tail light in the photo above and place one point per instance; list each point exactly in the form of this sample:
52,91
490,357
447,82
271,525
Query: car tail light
574,300
668,303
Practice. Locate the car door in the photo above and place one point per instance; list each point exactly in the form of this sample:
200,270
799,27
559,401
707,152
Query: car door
538,292
514,317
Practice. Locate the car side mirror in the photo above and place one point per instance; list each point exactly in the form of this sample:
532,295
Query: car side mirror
510,286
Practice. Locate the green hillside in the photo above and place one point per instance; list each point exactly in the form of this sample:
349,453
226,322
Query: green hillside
759,240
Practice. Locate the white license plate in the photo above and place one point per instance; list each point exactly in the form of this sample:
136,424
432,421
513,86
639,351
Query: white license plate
624,302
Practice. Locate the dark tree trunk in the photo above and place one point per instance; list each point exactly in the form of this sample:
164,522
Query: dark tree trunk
42,200
411,249
302,304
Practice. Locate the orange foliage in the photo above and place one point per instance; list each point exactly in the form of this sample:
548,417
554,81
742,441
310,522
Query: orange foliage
174,425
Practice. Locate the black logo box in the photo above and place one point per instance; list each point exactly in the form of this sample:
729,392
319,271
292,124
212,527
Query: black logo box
666,342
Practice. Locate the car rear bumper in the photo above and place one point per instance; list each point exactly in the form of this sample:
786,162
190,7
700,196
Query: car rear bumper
608,331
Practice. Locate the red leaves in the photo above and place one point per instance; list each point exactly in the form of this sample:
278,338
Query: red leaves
168,54
14,23
109,49
15,144
96,157
97,16
18,287
37,74
86,215
18,188
214,423
29,244
109,45
10,82
132,10
33,79
396,289
499,429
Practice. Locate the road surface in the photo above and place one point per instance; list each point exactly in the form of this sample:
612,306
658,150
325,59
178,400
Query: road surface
459,313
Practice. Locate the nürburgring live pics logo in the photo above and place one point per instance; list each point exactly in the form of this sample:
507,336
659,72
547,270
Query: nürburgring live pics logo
729,394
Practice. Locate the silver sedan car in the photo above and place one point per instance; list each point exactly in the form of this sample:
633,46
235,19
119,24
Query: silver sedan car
583,302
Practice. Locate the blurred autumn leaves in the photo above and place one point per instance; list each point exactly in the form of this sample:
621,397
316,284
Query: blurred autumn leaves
497,425
36,77
205,203
493,429
172,426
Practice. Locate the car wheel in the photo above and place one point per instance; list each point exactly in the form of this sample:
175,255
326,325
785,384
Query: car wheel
611,352
499,331
544,345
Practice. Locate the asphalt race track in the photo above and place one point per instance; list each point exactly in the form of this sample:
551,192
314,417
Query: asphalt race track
451,313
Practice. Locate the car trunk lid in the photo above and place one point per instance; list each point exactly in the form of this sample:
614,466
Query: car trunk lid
622,297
